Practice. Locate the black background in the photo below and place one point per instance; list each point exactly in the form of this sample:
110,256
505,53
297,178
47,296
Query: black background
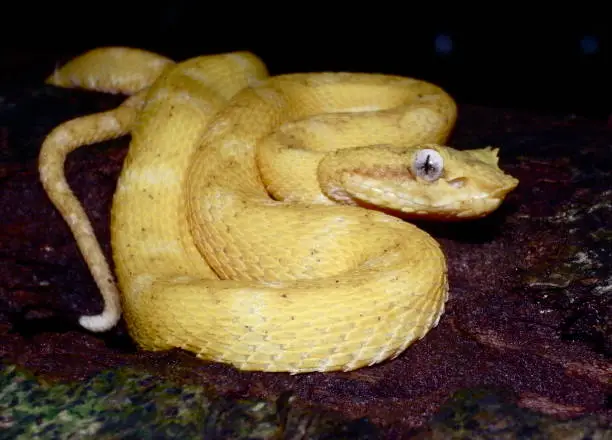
502,56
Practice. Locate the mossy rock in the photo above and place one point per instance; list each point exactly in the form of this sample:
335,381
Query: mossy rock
128,404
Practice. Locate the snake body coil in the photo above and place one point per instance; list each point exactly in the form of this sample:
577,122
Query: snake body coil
251,222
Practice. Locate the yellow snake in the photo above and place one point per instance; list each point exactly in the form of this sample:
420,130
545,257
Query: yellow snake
259,220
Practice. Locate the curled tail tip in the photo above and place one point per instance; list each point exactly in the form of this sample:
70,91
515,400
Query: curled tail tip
100,323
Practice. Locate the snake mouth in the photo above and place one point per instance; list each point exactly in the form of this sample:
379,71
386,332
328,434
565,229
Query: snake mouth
457,198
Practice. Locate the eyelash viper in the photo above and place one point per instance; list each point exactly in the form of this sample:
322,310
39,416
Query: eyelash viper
260,220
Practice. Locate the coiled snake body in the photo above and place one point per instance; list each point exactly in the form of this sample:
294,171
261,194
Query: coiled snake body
251,222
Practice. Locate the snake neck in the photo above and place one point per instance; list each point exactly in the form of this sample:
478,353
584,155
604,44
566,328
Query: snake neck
228,190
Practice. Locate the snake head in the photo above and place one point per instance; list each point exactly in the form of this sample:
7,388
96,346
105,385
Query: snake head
428,181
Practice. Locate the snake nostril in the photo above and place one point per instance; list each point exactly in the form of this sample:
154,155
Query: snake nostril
459,182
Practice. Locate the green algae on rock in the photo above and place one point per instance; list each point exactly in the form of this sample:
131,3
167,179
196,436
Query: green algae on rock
487,413
125,403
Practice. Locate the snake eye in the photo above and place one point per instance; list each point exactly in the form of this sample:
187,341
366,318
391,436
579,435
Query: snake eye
428,165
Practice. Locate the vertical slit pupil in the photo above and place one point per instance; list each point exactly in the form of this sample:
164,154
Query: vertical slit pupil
427,166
